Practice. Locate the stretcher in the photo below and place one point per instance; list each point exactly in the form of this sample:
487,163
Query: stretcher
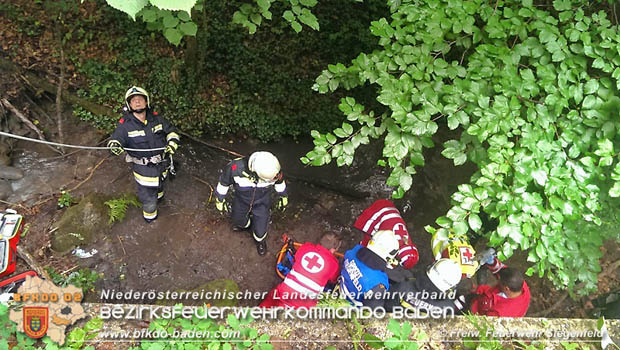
286,256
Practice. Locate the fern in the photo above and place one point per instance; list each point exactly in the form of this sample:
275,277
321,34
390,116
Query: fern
118,207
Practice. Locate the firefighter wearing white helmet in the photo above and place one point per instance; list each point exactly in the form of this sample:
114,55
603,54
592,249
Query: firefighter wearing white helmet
142,128
364,278
253,179
429,291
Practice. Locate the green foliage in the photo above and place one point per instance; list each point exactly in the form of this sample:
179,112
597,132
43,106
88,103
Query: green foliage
174,25
84,278
172,18
297,12
400,339
118,207
532,91
236,333
65,200
256,86
104,84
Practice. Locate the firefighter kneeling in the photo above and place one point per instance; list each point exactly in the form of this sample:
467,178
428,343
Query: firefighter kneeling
429,294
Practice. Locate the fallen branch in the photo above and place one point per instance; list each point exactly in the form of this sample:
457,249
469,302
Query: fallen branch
26,121
89,175
39,110
29,259
13,204
122,246
42,84
206,183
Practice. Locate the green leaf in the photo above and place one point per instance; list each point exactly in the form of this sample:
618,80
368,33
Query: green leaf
589,102
474,222
460,228
348,129
232,321
288,15
263,4
170,21
309,19
443,221
405,181
189,28
173,35
174,5
184,16
614,191
372,341
483,101
394,327
591,86
296,26
540,176
129,7
331,138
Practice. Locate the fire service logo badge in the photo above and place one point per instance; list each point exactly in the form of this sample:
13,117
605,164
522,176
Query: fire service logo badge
35,321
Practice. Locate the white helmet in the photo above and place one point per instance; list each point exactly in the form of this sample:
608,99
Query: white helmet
136,90
385,244
444,274
265,165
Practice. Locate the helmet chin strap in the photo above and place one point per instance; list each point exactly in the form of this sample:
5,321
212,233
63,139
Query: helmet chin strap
138,110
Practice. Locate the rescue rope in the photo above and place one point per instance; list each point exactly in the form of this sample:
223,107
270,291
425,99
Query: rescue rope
2,133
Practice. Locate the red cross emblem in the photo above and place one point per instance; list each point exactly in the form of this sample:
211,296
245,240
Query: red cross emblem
400,230
466,256
312,262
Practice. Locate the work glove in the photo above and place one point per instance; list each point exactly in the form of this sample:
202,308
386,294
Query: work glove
282,203
221,205
488,256
115,147
171,147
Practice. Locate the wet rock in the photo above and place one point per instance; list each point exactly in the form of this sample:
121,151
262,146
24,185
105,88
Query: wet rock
5,189
10,173
81,223
5,151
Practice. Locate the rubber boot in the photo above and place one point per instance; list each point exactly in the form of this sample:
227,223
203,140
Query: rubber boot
261,248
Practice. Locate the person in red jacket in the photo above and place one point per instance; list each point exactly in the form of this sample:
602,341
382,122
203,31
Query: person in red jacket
315,266
509,298
383,215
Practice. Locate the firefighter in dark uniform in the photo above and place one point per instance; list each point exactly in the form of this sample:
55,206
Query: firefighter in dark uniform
252,179
429,291
141,128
